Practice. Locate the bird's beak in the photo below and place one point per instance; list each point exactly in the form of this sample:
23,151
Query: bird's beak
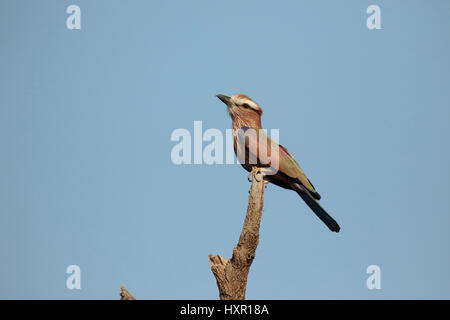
224,99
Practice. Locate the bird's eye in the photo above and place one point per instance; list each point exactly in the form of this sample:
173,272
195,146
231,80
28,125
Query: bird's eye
246,106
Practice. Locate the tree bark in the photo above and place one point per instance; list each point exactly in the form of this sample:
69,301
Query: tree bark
125,294
231,274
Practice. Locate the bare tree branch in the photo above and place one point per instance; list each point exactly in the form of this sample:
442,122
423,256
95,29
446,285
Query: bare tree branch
125,294
231,275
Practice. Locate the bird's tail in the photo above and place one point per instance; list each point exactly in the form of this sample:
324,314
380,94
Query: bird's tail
317,208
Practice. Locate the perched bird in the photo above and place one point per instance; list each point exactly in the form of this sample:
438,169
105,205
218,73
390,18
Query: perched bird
252,142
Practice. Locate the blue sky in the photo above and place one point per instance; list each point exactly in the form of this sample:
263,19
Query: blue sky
86,176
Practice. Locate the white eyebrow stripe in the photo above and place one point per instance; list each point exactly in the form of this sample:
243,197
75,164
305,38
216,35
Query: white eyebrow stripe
250,103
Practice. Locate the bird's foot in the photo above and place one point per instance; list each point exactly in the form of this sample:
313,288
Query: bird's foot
253,173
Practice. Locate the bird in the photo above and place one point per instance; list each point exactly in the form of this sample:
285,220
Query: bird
255,152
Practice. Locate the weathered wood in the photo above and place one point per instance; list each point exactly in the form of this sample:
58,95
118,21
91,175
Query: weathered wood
125,294
231,274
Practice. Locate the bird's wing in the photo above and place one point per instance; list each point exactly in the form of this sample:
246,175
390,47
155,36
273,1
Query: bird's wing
256,140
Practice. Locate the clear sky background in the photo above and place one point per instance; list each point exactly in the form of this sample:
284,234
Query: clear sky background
86,117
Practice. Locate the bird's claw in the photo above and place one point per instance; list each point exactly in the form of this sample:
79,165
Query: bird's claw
253,173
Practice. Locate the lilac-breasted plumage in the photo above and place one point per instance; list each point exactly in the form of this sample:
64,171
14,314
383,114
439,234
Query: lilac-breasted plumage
257,152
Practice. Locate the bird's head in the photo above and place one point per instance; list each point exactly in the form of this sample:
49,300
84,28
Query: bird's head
243,110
